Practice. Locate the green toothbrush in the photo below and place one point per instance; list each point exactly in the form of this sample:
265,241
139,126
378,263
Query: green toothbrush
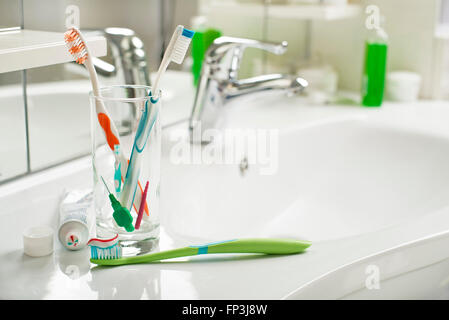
108,252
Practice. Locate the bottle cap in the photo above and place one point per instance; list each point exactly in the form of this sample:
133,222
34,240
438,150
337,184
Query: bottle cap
38,241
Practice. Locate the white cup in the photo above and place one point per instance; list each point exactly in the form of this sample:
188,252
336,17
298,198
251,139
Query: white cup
403,86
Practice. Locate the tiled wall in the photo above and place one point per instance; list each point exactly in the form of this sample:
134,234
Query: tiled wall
143,16
259,25
9,13
409,23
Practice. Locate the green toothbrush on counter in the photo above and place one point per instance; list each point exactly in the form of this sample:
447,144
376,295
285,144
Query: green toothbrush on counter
109,253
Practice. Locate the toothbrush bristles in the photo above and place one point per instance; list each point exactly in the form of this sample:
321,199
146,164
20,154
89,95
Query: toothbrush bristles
76,46
180,49
109,253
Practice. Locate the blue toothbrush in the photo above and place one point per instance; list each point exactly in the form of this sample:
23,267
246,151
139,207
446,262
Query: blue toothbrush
175,52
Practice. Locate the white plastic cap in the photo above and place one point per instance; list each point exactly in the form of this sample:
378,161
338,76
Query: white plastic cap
38,241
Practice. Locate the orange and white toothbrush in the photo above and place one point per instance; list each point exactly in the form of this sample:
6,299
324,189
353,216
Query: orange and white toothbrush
78,49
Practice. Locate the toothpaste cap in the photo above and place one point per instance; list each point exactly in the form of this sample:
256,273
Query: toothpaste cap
38,241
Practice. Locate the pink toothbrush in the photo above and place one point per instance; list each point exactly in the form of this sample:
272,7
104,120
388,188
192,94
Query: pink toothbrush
142,206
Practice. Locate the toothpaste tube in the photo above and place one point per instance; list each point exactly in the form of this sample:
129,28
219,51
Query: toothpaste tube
75,219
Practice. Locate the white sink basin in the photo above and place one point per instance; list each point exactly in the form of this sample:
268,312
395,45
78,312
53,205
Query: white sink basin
413,270
355,181
334,180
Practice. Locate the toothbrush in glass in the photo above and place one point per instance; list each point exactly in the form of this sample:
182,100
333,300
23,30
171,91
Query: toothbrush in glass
77,47
140,213
176,51
121,215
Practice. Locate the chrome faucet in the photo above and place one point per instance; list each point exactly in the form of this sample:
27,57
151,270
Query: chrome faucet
219,84
129,63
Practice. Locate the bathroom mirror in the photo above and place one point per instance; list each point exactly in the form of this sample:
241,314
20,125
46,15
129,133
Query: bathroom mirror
13,134
58,93
58,115
10,14
13,154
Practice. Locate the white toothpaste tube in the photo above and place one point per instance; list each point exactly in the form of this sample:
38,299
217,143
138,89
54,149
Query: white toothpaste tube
75,219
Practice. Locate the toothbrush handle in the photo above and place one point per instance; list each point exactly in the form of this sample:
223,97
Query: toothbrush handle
109,129
255,245
127,197
112,138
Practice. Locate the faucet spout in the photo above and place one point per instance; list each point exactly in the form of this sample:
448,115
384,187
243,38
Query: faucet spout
129,60
268,82
219,83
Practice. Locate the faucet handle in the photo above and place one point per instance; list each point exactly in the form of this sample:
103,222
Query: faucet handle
224,46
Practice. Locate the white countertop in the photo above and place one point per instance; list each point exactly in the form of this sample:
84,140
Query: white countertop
69,275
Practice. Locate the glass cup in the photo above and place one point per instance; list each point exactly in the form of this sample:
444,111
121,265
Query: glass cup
127,107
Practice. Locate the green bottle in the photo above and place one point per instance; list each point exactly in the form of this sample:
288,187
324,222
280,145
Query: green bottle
374,70
201,41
